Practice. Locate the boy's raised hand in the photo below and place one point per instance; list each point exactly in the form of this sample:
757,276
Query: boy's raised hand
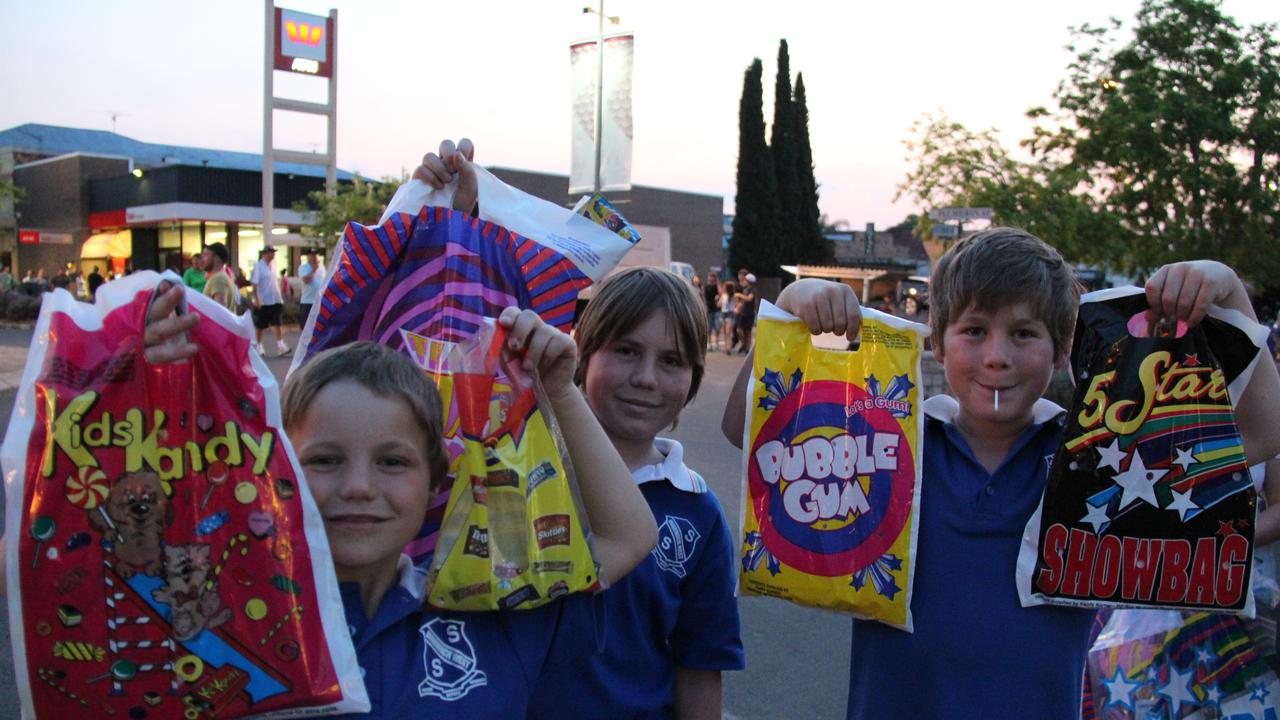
542,349
1185,290
825,306
162,338
453,160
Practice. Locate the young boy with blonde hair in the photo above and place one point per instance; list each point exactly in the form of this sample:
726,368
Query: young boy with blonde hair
1003,310
673,622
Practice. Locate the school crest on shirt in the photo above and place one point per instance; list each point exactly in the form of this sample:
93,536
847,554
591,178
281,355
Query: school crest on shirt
448,660
677,540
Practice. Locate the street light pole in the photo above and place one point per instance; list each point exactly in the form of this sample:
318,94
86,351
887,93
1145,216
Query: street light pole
600,85
599,94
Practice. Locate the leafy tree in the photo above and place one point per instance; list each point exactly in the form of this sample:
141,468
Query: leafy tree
953,166
1176,133
812,248
754,244
10,191
359,201
1164,146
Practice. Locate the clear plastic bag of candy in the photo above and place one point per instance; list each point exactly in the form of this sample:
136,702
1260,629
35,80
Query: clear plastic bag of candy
831,485
163,551
514,534
1149,502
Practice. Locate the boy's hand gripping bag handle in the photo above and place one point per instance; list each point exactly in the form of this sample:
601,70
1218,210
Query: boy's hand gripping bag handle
831,468
592,248
161,545
1149,502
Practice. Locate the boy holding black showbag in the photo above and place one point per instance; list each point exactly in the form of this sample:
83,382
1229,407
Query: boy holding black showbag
1002,314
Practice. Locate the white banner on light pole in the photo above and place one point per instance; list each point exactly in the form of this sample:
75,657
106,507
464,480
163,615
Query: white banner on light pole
616,132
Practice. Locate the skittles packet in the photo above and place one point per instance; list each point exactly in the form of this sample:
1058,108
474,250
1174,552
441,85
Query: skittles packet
832,468
1149,501
165,558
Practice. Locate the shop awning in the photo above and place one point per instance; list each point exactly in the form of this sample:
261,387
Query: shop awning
108,244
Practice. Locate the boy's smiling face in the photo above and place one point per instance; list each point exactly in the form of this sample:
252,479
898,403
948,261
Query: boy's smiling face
638,383
367,466
1009,351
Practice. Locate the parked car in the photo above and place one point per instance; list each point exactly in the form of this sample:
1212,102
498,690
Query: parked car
684,270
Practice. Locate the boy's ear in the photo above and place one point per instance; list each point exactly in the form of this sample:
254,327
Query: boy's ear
1063,356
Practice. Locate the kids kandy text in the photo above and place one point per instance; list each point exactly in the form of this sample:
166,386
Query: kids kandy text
76,434
809,466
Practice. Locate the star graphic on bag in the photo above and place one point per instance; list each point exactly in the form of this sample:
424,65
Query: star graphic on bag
1213,695
1178,690
1204,655
1226,529
1120,690
1112,455
1185,458
1259,692
1097,516
1181,503
1191,360
1138,482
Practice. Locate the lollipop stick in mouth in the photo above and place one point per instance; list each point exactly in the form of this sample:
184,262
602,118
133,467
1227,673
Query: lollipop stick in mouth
997,394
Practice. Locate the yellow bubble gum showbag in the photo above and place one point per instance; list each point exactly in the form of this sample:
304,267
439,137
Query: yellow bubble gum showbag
831,470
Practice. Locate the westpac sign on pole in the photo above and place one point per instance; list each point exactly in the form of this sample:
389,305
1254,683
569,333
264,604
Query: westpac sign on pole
303,43
615,122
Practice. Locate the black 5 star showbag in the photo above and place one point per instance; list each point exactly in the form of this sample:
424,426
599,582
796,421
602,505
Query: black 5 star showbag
1149,502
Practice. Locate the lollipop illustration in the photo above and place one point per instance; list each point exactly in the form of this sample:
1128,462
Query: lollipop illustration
122,669
217,476
88,490
42,530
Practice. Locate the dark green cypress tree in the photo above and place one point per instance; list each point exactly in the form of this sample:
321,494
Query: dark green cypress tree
812,248
782,146
754,243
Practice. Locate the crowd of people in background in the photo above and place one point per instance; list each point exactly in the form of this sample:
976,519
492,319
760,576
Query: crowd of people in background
731,310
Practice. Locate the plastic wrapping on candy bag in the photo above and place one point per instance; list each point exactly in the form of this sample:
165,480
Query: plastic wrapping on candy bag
831,477
1173,664
1149,501
162,548
515,534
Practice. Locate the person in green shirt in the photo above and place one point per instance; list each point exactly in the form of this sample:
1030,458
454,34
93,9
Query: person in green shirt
193,277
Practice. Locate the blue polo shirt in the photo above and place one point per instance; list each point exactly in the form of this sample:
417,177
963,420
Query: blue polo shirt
675,609
425,663
976,652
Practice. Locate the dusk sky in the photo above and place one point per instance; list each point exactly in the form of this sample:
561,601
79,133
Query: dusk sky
411,73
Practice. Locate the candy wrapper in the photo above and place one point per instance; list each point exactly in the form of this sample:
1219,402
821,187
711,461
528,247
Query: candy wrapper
1149,502
427,279
832,468
164,556
514,533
